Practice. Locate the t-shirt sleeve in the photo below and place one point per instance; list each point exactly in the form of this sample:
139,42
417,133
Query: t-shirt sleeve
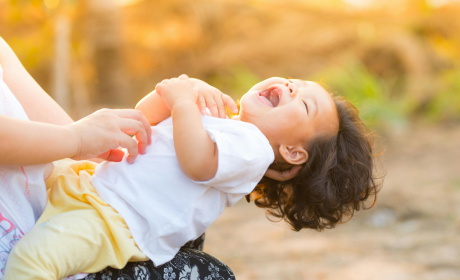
244,154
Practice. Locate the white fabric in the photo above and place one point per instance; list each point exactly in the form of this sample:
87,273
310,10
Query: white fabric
22,188
162,207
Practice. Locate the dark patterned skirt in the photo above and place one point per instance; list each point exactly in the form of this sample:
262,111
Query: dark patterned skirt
190,263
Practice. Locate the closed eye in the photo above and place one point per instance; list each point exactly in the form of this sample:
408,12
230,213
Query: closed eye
306,105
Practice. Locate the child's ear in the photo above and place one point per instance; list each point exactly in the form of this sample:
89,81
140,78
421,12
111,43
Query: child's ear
294,154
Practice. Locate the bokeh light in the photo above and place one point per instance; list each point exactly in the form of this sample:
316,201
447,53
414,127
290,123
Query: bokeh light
51,4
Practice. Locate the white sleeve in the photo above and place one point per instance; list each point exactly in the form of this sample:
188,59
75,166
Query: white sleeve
244,154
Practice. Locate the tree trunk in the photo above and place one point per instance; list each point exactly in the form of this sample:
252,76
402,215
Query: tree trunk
103,31
61,62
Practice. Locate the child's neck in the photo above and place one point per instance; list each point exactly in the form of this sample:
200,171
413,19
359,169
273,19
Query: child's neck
275,147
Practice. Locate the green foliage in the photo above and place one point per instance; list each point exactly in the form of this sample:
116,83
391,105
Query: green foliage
445,105
236,81
368,93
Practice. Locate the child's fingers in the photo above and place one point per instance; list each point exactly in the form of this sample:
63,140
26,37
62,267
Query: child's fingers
221,105
201,102
159,88
163,83
212,105
230,103
183,77
215,100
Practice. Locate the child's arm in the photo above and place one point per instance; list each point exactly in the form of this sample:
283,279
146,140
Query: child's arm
155,110
196,152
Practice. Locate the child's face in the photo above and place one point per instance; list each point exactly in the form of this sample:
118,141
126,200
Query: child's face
289,112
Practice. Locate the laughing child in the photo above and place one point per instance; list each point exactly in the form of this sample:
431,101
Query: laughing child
293,149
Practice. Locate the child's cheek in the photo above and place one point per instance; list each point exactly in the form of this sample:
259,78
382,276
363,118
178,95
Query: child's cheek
292,114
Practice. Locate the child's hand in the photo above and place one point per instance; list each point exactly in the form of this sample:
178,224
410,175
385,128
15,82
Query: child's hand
283,175
176,89
214,99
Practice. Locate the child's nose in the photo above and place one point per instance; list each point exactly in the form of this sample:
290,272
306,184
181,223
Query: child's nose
292,89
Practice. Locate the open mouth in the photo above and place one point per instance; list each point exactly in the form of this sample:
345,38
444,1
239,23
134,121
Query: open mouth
271,96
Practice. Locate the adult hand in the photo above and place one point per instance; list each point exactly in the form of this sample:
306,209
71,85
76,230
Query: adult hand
283,175
103,132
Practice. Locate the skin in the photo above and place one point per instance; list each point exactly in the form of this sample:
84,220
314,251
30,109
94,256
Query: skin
156,110
55,134
185,99
305,111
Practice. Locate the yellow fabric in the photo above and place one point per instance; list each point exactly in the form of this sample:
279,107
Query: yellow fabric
78,231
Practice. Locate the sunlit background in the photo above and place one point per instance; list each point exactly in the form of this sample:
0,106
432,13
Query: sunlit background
398,61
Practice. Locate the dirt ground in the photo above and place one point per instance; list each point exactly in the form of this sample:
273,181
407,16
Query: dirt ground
413,232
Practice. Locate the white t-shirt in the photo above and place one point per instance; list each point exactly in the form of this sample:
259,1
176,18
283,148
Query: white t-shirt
22,188
162,207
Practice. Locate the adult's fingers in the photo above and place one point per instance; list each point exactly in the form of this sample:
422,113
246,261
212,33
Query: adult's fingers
112,155
130,144
230,103
134,127
283,175
138,116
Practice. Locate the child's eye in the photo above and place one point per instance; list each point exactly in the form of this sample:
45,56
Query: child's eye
306,106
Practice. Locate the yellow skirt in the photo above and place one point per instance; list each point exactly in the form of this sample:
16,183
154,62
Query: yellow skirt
77,232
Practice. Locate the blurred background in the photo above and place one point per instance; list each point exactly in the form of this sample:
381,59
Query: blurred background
396,60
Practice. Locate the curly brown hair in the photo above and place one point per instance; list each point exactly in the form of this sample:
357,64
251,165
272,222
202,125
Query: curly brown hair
334,183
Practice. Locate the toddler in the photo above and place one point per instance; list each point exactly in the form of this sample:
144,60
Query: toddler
312,148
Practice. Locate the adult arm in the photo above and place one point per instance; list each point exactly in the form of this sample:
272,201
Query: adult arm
28,142
37,104
98,135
